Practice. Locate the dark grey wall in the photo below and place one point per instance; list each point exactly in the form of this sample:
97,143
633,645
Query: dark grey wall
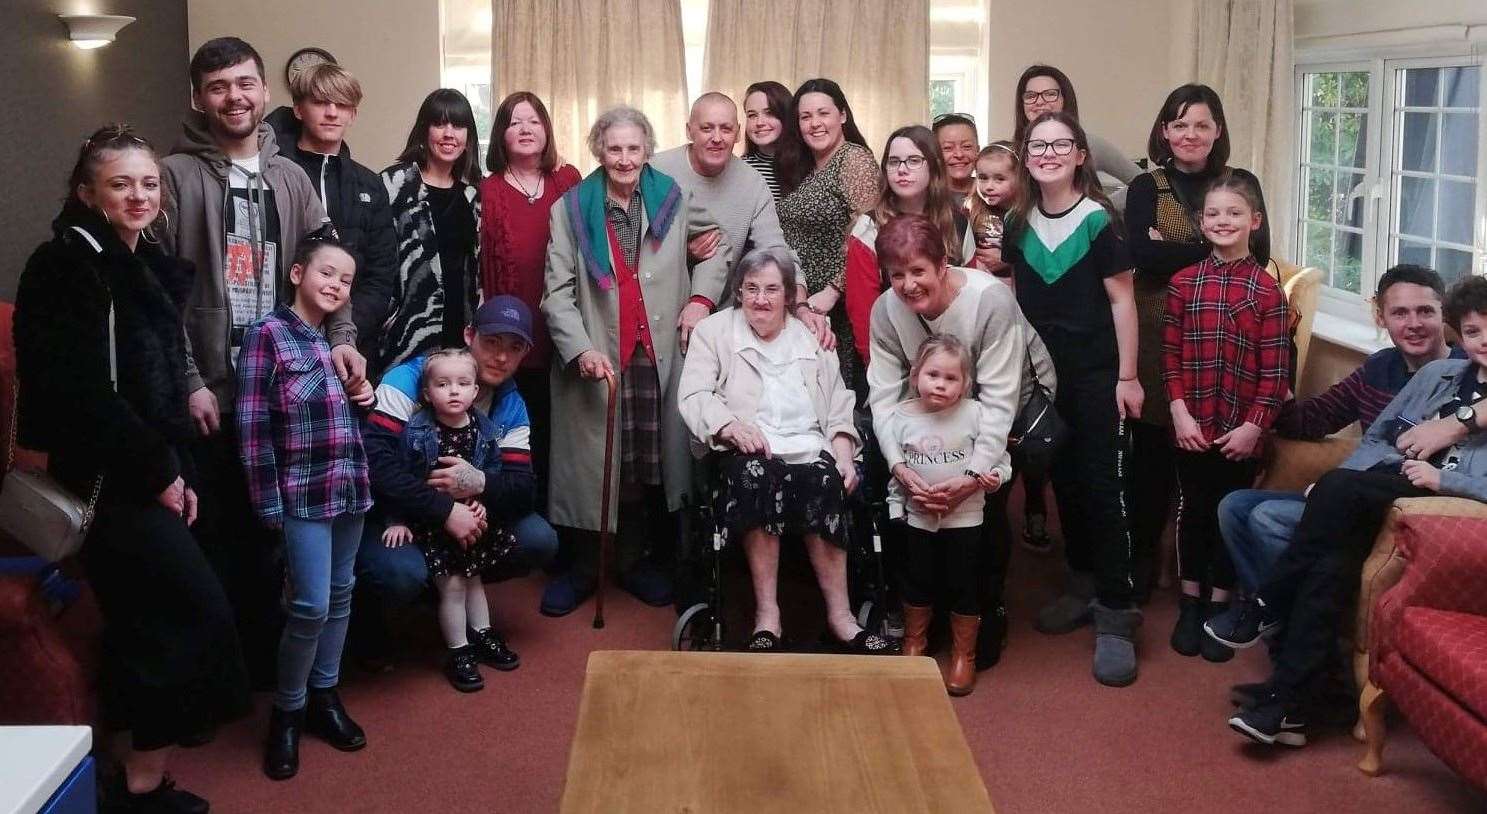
52,95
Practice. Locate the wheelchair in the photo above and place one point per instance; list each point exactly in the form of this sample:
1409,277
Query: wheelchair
707,564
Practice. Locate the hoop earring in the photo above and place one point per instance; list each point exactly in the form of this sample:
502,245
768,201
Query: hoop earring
104,213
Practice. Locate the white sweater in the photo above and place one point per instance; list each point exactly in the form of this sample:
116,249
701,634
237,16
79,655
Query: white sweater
938,447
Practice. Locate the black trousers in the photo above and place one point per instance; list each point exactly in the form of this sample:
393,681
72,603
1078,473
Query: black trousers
1089,481
961,549
171,663
247,557
1150,485
1314,578
536,392
1204,479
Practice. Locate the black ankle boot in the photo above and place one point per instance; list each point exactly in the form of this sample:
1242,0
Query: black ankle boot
164,799
281,750
1187,634
326,719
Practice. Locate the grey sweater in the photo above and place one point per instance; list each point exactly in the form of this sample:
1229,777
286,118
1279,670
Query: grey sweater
1430,389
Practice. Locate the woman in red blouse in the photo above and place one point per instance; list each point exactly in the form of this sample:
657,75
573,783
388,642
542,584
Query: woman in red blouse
525,181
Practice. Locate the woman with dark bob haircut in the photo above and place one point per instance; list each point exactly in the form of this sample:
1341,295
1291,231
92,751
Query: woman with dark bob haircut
1188,148
434,190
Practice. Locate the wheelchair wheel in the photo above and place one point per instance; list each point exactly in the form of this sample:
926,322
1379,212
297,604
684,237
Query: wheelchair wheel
694,629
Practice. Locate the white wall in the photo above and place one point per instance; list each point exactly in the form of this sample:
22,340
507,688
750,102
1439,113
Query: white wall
1120,57
393,48
1321,18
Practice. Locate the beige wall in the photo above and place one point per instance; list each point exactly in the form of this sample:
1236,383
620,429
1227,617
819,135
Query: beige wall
1117,97
392,47
1320,18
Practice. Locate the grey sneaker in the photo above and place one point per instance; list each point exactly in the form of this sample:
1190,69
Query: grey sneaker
1115,645
1070,611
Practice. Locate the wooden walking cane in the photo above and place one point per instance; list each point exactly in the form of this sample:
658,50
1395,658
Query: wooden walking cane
604,529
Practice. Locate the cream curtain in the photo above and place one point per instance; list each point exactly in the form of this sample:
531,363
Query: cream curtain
582,56
877,50
1244,53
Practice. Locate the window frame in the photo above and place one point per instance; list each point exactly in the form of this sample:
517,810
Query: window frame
1380,197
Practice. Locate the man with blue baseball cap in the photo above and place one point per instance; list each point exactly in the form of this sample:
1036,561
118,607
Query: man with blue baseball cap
498,337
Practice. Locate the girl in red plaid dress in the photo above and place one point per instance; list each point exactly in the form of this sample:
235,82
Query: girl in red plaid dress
1226,367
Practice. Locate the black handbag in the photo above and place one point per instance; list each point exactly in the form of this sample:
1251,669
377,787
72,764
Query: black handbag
1038,431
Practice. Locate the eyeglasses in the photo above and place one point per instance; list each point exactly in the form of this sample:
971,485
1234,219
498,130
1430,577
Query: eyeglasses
1050,95
1061,146
753,291
952,117
913,162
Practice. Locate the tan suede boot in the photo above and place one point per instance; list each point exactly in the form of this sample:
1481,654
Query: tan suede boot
960,677
916,629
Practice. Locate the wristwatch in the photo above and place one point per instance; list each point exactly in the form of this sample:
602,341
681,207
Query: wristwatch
1467,414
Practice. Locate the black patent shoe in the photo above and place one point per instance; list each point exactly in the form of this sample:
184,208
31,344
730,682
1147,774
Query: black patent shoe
491,649
463,670
326,718
281,749
163,799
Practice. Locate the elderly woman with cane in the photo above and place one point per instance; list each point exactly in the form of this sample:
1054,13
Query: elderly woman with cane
761,393
621,303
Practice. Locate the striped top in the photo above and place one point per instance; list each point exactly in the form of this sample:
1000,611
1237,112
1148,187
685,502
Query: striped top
765,165
1360,397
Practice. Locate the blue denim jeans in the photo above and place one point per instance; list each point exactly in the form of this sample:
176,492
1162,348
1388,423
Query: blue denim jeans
1257,525
394,577
319,567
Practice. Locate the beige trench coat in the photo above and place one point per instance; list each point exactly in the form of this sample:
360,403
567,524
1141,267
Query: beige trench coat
581,316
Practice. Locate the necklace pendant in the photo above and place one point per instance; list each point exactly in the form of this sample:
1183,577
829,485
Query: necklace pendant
531,199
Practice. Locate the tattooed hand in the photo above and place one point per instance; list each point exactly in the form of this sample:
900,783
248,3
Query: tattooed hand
457,478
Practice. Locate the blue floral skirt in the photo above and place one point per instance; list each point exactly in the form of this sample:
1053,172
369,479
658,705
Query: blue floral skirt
753,492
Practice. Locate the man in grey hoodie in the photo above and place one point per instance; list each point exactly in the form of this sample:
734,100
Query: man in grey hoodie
237,210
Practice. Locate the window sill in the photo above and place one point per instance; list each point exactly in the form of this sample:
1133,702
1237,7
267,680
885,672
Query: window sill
1358,336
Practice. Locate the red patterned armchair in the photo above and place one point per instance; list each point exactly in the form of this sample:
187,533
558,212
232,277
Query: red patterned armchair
1429,645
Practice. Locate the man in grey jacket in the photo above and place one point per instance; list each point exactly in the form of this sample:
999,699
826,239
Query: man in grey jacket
237,210
1305,593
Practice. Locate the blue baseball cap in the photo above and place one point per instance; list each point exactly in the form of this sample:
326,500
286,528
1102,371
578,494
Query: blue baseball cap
504,314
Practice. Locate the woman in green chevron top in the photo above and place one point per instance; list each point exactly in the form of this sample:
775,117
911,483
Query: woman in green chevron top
1073,281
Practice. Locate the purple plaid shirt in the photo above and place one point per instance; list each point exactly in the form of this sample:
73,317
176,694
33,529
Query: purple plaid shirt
298,433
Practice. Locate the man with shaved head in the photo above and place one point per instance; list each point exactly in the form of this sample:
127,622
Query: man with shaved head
734,193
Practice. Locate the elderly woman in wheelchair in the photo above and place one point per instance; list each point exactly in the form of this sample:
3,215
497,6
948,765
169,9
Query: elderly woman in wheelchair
768,404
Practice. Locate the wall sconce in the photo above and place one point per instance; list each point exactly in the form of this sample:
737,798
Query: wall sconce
93,30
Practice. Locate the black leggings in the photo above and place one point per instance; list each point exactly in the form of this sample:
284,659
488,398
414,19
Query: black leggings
171,663
1150,486
1204,479
961,549
1088,481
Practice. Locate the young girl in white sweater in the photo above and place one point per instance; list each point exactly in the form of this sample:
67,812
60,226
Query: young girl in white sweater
936,430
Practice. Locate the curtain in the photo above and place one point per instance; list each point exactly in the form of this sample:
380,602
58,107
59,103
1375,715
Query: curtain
1244,53
583,56
877,50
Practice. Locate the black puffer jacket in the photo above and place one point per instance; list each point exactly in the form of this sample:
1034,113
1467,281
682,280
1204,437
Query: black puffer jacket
135,436
356,201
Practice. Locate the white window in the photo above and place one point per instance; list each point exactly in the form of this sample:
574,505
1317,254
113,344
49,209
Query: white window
1391,165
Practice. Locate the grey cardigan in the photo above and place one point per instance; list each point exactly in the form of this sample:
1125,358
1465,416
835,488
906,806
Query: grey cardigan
1433,387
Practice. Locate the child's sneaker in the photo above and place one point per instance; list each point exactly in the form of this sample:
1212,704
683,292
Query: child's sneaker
1243,624
1035,534
491,649
462,669
1271,721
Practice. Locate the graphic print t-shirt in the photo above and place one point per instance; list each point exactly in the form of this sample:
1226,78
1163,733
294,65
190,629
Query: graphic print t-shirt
252,244
937,447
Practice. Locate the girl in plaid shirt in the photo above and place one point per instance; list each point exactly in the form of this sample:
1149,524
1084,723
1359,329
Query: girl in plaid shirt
1226,367
300,441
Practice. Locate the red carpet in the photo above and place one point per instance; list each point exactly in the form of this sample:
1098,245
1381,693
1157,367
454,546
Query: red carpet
1046,736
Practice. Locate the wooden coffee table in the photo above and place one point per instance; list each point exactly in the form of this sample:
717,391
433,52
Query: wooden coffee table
742,732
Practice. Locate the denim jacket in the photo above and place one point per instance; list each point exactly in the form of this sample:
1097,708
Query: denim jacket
421,443
1433,387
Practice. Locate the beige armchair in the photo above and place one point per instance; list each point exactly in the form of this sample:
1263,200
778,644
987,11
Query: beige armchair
1302,287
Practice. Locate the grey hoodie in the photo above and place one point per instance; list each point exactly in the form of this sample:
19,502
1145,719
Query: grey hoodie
195,176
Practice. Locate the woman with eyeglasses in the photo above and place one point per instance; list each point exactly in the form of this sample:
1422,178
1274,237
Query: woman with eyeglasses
1072,275
766,108
915,183
760,394
1188,148
829,177
1046,89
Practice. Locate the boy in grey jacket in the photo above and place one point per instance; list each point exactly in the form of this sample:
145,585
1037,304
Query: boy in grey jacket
1307,590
